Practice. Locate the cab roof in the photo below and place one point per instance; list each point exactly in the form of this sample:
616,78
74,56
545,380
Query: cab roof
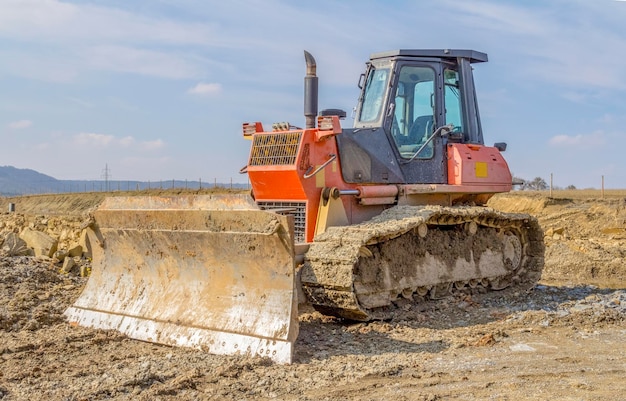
473,55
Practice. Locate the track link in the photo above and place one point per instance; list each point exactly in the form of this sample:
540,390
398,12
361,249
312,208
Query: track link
416,252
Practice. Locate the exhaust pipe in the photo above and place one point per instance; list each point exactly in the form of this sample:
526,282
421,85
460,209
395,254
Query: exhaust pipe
310,90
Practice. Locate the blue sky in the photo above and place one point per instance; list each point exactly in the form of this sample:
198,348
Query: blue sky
158,89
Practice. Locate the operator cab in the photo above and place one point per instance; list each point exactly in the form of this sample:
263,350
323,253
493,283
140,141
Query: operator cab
408,97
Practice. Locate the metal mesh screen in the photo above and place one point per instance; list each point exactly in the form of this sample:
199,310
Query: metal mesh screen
297,209
275,149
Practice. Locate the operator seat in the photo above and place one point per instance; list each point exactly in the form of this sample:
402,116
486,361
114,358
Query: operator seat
421,129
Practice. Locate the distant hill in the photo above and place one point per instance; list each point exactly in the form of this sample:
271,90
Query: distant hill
16,182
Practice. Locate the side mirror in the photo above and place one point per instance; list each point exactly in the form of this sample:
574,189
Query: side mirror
501,146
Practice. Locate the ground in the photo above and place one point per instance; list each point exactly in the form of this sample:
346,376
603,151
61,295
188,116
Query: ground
563,340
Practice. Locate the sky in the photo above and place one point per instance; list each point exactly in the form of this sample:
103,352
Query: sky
158,89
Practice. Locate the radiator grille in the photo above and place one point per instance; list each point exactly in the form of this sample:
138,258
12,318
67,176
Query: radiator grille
275,149
296,209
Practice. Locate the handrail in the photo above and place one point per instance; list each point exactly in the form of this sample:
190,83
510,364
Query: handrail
448,128
308,173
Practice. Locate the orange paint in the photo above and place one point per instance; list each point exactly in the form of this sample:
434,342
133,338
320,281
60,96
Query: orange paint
475,166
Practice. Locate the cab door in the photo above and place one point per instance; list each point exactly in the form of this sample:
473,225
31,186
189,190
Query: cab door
414,113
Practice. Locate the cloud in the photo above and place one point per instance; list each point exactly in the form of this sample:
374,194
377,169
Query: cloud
93,140
60,41
127,59
127,141
144,161
552,42
583,141
56,21
152,145
204,89
21,124
40,64
500,17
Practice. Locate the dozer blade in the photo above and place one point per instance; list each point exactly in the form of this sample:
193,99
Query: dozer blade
209,272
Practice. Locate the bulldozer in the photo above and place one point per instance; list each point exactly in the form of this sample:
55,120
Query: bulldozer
354,221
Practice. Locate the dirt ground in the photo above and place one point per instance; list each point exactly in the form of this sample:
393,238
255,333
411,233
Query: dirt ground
562,340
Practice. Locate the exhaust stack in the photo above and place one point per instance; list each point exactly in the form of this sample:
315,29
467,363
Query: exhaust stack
310,91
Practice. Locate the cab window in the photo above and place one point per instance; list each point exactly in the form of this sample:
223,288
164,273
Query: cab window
374,95
453,100
413,121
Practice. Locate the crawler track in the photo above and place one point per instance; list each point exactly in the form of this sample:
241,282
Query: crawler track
357,272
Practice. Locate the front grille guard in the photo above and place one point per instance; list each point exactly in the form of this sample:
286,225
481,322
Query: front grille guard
296,209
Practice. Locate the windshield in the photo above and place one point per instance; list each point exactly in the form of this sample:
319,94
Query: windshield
374,95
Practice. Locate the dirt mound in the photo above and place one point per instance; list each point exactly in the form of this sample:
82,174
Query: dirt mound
585,237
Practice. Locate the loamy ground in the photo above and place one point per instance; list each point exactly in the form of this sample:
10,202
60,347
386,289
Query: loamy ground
562,340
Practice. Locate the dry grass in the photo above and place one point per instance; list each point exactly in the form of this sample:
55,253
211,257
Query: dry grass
576,193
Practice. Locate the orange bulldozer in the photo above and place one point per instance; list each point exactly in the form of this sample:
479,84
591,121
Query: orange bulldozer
350,220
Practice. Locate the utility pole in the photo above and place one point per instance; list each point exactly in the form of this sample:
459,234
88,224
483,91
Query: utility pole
106,174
